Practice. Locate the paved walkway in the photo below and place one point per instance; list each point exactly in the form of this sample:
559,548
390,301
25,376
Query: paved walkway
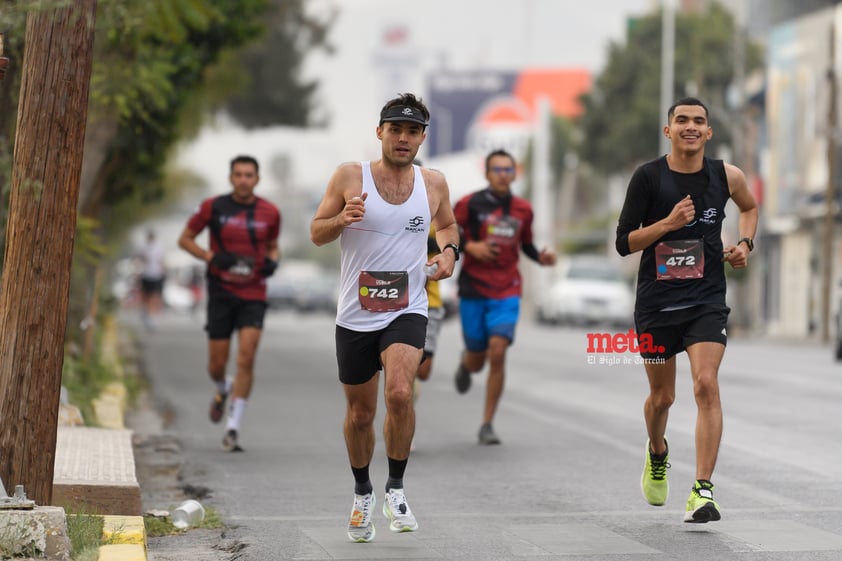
95,468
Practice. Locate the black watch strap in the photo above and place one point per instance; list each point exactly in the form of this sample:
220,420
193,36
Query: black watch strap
455,249
749,243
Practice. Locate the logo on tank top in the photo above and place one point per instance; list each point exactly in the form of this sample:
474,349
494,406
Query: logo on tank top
708,216
416,225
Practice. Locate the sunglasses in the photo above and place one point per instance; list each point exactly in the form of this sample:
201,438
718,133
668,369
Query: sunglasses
502,169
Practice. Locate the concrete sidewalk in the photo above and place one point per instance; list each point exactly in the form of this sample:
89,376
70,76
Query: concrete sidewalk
95,466
95,472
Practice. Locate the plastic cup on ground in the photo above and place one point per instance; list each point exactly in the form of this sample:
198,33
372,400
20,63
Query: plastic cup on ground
189,513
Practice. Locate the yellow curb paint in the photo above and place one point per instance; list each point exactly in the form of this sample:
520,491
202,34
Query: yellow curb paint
122,552
123,530
109,411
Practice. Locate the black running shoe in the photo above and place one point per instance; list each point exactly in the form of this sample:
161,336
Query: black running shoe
229,442
487,436
462,379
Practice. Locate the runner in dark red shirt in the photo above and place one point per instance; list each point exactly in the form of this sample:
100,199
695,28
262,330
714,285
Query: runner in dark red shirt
495,226
244,231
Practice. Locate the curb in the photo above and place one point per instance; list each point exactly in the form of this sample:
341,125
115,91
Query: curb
124,530
126,539
122,552
125,536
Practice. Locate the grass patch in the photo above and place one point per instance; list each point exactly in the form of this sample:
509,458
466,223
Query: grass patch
157,526
212,519
85,378
85,533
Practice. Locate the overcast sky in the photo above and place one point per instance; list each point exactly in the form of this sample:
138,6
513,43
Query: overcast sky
385,47
452,34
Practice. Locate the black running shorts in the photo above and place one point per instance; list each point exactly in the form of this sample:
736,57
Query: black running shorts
674,331
151,286
358,352
227,313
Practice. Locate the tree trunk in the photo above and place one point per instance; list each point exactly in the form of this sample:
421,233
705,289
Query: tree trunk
50,133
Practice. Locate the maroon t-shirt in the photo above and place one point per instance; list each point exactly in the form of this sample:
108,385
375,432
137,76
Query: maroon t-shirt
507,222
241,229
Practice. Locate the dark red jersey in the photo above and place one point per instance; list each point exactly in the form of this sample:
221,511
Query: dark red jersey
243,230
505,222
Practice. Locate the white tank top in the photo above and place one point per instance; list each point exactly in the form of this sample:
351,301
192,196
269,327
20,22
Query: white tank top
390,239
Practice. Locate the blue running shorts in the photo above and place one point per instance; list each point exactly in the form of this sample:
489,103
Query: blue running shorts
485,317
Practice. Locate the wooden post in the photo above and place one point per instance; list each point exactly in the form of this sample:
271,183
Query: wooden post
50,134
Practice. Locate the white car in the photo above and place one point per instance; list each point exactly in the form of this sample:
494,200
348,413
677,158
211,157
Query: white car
589,290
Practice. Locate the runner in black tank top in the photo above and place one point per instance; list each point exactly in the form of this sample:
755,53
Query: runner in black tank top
673,214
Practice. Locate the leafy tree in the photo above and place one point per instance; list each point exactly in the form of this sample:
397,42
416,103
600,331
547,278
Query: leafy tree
273,97
622,113
153,58
160,67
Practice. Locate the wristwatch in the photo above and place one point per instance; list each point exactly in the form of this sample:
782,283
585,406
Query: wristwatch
749,243
455,249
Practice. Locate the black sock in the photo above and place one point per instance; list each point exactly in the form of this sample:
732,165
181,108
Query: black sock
659,457
662,456
362,482
396,471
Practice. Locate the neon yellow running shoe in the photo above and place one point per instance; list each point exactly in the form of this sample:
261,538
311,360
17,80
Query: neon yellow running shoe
654,482
701,507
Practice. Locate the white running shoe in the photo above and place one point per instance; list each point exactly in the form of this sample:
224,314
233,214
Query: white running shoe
397,510
360,526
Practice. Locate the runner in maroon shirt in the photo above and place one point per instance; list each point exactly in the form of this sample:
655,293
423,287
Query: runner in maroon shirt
244,231
495,226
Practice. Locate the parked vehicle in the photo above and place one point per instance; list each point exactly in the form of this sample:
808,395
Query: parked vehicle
589,290
303,286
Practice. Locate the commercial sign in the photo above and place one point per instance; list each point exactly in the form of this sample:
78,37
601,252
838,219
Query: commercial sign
483,110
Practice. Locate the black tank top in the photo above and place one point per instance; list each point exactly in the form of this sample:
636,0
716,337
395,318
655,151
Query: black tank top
658,288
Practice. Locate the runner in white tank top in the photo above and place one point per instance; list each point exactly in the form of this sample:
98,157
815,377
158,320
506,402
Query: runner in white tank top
389,239
382,212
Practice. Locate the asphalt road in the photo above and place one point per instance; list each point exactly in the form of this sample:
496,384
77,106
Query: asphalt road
564,485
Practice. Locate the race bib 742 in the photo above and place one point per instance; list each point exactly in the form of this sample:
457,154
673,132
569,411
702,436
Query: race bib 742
383,291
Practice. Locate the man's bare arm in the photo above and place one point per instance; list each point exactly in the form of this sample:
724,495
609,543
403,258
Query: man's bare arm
341,205
187,242
447,231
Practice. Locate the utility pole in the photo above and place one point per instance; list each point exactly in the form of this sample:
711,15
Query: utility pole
667,69
543,220
52,115
830,193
